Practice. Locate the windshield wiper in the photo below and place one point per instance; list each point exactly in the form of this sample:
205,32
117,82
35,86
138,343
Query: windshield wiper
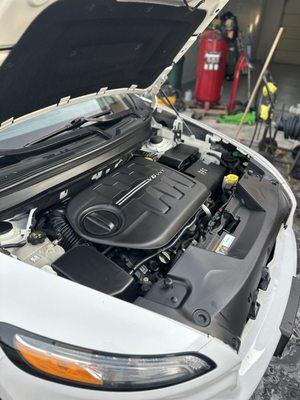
76,123
38,145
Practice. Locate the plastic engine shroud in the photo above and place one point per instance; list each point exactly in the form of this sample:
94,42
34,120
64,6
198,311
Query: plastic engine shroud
142,205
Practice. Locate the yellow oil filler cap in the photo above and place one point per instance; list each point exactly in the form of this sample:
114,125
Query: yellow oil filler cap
230,181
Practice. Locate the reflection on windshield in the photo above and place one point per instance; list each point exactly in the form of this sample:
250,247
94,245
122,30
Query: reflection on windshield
17,136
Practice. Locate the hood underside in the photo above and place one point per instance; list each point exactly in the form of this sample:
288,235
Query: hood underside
77,47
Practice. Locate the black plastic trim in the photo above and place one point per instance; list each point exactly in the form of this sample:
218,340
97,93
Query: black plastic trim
225,286
289,319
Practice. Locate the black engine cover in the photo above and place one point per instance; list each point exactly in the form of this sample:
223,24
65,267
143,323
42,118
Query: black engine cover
142,205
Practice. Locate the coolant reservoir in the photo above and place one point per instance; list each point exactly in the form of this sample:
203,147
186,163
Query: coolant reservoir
40,254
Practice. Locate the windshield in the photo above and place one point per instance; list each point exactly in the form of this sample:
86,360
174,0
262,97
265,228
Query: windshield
18,135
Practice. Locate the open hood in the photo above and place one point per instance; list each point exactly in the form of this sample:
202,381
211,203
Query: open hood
74,48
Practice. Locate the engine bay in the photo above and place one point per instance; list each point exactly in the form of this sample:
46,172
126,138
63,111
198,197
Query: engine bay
181,226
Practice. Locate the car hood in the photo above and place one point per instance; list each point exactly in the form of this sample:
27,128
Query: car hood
68,50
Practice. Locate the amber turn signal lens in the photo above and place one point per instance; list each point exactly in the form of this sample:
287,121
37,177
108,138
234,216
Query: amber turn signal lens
57,365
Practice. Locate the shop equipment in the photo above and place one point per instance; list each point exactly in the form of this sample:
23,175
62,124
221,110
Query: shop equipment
258,83
241,65
211,68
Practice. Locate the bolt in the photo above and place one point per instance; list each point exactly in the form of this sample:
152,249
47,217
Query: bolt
201,317
168,282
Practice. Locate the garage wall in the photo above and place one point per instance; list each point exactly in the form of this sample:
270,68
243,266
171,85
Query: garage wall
271,22
289,48
190,65
249,14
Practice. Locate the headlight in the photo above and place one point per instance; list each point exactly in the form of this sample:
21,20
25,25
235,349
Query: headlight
77,366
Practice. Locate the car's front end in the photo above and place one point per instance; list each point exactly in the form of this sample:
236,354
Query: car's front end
142,254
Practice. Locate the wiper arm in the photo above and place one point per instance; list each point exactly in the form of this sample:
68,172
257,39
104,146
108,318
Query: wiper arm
76,123
38,145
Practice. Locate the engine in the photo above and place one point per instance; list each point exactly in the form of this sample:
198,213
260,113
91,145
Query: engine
124,233
184,229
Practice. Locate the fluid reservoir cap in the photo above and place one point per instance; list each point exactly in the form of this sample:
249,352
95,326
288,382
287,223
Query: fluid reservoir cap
102,222
36,237
156,139
5,227
231,179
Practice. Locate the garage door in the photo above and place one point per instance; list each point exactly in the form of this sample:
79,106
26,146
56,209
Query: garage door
289,48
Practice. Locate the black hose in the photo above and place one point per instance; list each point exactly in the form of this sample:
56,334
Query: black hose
290,127
167,247
67,237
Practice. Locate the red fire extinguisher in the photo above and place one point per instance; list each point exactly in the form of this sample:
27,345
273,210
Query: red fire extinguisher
211,67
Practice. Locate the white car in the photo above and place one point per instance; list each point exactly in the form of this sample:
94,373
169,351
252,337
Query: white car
143,255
